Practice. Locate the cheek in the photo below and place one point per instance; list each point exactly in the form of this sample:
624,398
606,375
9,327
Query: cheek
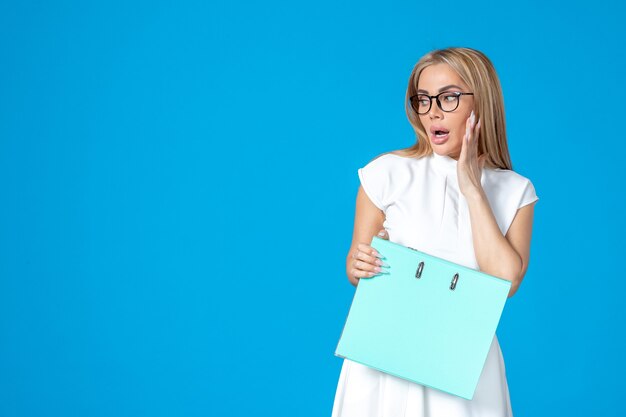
460,129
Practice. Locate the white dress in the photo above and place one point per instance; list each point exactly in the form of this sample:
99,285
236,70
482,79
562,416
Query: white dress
425,210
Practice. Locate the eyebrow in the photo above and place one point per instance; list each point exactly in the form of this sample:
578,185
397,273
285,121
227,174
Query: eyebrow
447,87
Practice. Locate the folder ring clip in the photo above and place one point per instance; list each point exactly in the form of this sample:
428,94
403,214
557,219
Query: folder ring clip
454,281
420,267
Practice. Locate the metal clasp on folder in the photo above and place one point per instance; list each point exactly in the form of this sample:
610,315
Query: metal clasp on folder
454,281
420,268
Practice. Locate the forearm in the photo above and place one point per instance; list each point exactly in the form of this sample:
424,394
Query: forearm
494,253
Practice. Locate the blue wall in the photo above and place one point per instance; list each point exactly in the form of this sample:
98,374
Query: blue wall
178,183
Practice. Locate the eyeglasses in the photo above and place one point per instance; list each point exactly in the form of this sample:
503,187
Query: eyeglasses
449,101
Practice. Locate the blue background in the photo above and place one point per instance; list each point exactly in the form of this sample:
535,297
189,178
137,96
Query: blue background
178,183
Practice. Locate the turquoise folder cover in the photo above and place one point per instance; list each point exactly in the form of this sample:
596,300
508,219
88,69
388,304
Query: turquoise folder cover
420,329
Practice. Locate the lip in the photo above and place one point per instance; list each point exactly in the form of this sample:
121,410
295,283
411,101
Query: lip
438,140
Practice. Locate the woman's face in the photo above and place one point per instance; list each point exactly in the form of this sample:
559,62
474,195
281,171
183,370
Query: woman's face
433,80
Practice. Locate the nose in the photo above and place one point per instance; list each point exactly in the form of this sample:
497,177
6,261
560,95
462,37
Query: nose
435,111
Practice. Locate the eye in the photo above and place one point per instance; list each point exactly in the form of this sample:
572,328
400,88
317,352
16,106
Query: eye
423,101
449,97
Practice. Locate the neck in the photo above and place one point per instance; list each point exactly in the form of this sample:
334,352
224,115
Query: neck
445,163
451,156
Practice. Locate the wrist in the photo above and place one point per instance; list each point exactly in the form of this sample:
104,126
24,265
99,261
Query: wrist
475,194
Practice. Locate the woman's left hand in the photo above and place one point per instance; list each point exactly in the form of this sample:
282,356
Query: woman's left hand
470,165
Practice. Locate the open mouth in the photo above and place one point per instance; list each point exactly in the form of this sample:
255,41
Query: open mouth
439,134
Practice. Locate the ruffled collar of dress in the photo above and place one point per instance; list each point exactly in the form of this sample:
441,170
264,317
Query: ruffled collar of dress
443,163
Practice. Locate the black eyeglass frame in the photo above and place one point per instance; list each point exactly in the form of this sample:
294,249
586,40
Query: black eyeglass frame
436,97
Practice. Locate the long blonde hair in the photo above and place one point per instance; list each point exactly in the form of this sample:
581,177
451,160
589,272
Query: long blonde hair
477,71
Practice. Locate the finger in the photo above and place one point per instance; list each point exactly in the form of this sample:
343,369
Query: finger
363,269
476,133
367,262
363,247
475,137
355,274
363,256
383,234
358,274
465,144
367,266
471,138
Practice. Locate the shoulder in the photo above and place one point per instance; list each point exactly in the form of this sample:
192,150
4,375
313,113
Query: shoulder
392,166
507,191
385,176
510,188
387,158
391,161
381,168
506,179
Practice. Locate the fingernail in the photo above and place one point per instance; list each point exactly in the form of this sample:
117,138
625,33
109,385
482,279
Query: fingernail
381,233
377,269
378,255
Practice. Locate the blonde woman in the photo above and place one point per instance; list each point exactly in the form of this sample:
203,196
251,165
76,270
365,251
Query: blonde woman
453,194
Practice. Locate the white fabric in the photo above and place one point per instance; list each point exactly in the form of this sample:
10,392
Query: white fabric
425,210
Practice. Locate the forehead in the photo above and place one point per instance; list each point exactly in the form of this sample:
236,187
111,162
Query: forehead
433,77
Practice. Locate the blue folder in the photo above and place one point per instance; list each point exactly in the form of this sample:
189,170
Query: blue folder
430,321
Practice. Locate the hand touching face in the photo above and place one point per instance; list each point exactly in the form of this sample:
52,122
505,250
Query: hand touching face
470,164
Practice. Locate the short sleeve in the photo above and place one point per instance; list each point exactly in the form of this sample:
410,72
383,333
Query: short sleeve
375,180
508,191
529,195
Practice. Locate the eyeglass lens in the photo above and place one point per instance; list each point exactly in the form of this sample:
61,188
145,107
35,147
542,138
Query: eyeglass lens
447,101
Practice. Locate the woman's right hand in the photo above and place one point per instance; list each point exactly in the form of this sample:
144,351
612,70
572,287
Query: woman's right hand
367,261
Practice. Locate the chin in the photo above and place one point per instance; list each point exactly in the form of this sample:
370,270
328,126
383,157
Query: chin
446,149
